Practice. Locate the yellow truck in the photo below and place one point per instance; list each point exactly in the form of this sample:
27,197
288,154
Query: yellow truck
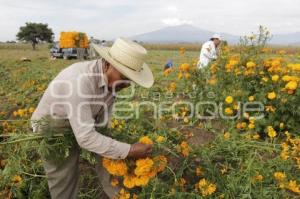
71,45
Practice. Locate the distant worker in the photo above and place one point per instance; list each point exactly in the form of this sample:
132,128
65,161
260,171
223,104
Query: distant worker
169,64
209,51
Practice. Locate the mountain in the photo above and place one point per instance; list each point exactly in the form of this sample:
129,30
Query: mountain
287,39
181,33
189,33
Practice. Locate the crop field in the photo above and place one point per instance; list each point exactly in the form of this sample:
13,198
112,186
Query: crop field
231,130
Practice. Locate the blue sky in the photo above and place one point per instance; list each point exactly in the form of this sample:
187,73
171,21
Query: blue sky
108,19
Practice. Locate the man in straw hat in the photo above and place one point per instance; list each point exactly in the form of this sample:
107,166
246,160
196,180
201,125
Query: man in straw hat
77,99
209,51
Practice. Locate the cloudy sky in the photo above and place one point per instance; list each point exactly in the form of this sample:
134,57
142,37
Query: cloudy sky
107,19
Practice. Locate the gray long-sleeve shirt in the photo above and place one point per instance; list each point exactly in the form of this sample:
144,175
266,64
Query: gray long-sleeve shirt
79,94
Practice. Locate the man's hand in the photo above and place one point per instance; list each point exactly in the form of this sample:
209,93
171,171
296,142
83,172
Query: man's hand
139,150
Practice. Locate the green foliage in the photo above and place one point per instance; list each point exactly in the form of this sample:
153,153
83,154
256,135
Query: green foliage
35,33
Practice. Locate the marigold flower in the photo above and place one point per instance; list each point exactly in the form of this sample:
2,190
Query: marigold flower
123,194
251,98
199,171
115,167
293,186
145,140
271,132
279,176
271,95
160,139
17,179
143,166
275,78
292,85
129,181
228,111
184,148
226,135
160,163
250,64
114,182
229,99
257,178
141,180
205,187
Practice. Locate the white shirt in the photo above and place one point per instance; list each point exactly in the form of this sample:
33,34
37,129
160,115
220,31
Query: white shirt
78,94
207,54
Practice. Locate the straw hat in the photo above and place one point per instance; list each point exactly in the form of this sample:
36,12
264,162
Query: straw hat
128,58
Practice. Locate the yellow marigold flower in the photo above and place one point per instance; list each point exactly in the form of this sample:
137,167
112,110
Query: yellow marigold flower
252,120
143,166
186,120
228,111
288,78
265,79
281,125
258,178
145,140
160,163
271,132
229,99
123,194
293,186
184,67
167,72
251,126
292,85
212,81
211,189
202,183
31,110
271,95
187,75
115,167
275,78
224,170
134,196
184,148
181,182
250,64
160,139
206,188
270,108
180,75
129,181
172,87
284,155
279,176
251,98
226,135
17,179
141,180
199,171
114,182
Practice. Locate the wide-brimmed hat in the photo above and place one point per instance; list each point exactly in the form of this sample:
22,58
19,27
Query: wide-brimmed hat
128,58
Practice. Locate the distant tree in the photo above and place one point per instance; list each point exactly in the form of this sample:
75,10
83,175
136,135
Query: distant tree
35,33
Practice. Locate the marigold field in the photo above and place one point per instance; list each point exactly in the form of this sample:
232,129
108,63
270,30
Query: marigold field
234,155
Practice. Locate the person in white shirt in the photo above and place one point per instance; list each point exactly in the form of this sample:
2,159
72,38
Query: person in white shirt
209,51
